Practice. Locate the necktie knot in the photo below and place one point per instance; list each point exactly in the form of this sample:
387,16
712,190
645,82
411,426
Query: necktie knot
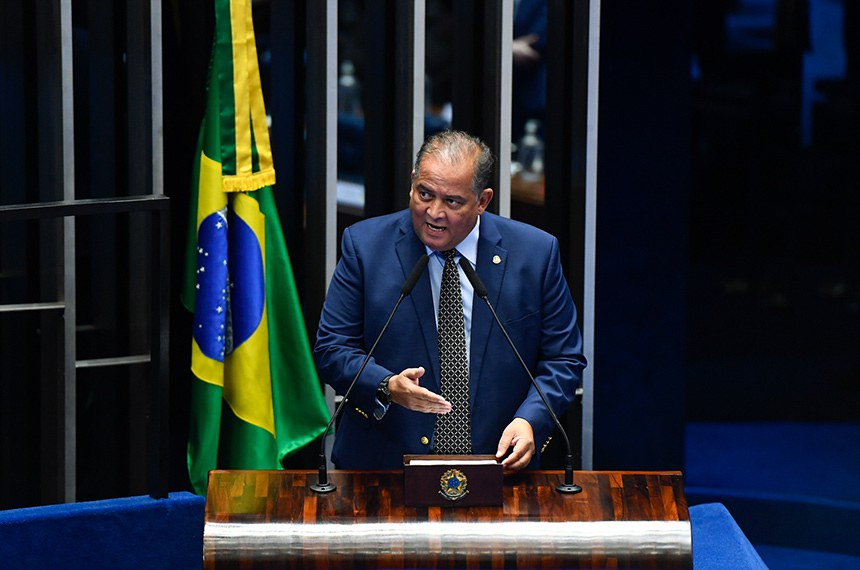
449,255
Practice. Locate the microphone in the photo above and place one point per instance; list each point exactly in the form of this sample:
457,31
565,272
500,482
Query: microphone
568,486
323,485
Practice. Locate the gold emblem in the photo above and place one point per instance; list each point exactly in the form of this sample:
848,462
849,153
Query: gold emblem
424,440
497,260
453,485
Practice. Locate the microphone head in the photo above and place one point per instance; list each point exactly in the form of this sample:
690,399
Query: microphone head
415,275
473,278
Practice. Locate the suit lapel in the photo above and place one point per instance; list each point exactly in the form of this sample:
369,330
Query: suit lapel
409,249
491,264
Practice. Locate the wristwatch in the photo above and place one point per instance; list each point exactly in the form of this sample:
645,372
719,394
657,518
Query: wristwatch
382,393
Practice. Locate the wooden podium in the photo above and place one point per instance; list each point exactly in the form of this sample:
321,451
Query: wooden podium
271,519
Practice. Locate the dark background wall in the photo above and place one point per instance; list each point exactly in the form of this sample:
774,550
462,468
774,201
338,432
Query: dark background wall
773,321
642,253
727,224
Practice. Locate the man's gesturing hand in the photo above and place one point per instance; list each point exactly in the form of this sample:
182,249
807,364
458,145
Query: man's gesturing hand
405,390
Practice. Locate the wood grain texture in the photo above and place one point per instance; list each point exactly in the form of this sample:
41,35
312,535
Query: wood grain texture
271,519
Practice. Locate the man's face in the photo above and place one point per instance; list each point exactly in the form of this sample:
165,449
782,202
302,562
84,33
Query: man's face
444,208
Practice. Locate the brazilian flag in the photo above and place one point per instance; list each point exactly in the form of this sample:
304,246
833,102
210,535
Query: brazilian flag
256,397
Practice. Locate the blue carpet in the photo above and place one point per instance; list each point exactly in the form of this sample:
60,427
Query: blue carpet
133,532
781,558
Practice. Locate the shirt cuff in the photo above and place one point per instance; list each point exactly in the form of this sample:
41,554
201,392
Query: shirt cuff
380,410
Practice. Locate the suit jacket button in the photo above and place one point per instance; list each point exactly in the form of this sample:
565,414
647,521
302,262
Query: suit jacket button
424,440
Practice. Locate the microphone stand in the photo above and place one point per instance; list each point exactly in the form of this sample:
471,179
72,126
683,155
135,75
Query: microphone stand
568,487
323,485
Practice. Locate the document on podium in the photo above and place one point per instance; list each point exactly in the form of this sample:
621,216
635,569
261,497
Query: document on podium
465,461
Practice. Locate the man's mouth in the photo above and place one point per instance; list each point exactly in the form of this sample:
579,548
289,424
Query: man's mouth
435,228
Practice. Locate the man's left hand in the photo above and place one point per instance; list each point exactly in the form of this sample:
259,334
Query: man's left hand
519,436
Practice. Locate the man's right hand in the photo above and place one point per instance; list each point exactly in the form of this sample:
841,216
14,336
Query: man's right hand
406,391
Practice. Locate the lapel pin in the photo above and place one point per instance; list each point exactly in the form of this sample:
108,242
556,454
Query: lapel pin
497,260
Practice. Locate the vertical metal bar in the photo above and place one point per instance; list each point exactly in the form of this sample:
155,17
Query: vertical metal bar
506,32
407,82
69,394
68,100
159,278
589,268
322,152
69,295
419,41
320,241
156,89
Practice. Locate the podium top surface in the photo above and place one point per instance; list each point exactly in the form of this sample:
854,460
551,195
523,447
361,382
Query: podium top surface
368,496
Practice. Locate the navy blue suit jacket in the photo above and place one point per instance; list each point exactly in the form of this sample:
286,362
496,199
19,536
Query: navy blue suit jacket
521,268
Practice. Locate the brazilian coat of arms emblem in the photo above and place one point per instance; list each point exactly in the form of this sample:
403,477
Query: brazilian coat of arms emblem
453,485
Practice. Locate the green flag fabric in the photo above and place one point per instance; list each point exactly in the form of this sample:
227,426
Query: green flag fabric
255,397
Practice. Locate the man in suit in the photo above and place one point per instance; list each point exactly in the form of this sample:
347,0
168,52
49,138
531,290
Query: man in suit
394,406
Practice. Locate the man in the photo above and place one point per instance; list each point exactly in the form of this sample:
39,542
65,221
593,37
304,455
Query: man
397,401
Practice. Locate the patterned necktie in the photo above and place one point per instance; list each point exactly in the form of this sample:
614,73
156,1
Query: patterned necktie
453,435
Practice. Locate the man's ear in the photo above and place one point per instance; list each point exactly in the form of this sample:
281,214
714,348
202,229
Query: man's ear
484,199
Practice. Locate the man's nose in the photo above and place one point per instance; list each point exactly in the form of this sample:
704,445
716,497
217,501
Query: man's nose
436,208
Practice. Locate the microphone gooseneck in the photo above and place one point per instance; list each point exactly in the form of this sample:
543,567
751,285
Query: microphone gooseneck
323,485
568,486
413,278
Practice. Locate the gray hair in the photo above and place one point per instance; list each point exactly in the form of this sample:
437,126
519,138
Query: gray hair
456,146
